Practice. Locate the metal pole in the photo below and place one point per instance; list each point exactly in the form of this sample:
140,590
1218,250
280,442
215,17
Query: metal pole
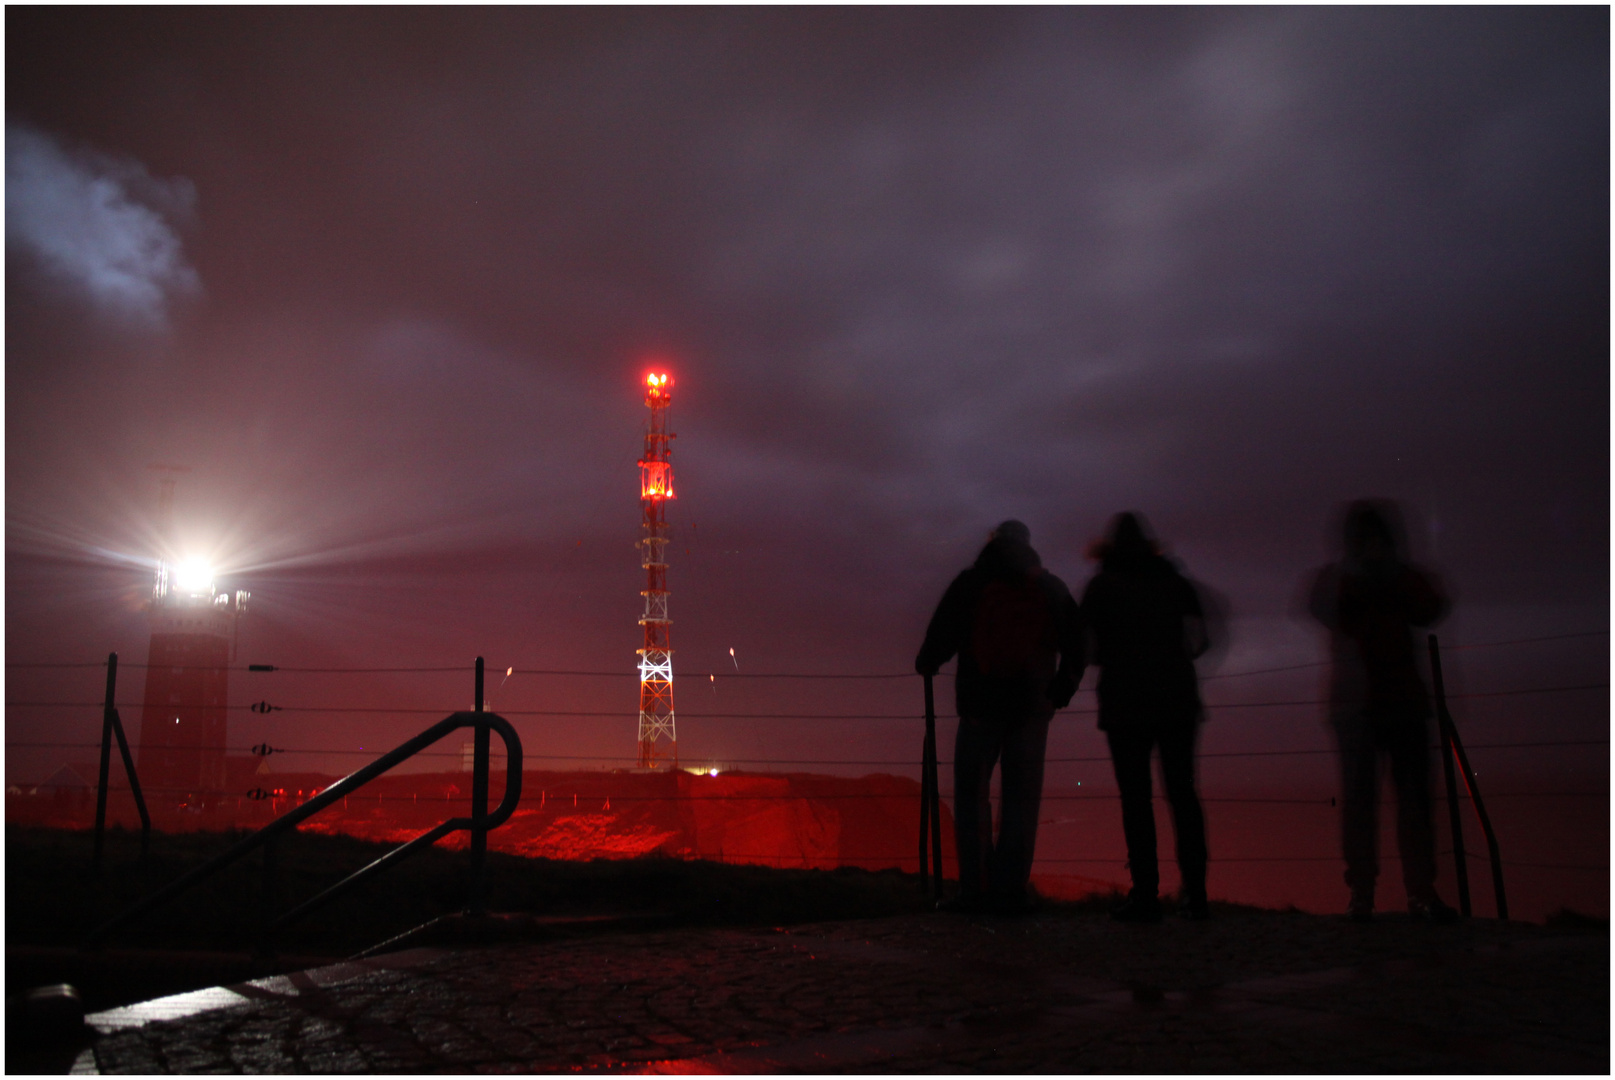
479,806
106,756
936,823
931,795
1485,825
134,782
1444,720
926,751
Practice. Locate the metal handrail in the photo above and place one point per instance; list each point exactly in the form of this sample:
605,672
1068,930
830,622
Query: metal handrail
479,822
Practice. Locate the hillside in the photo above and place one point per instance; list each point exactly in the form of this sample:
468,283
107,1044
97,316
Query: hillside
775,819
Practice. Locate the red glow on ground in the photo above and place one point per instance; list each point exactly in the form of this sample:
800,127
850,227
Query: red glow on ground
803,820
794,820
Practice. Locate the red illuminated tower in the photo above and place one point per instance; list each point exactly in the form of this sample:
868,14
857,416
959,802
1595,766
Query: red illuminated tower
656,658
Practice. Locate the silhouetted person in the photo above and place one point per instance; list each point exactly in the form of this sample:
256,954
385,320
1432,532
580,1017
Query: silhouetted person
1371,600
1014,628
1147,627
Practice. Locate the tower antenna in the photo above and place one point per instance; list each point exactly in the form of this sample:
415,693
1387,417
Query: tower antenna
656,658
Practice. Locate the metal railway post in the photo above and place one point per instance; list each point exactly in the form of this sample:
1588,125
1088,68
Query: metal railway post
477,903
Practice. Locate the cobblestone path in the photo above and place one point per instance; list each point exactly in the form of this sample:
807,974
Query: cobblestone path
1251,991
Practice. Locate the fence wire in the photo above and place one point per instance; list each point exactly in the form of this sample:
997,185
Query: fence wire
265,800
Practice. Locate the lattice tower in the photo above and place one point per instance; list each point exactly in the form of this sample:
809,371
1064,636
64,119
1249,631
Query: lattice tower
658,740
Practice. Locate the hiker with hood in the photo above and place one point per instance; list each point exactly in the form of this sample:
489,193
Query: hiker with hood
1371,601
1014,627
1146,626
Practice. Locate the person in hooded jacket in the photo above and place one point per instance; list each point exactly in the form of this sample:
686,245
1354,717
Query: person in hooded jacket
1146,627
1370,601
1014,627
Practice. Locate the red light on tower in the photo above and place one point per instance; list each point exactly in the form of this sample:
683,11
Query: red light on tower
656,658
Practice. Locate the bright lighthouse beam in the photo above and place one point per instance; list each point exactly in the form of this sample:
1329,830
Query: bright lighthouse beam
193,577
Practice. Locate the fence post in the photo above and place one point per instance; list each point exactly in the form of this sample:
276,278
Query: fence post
477,904
925,789
106,756
1444,722
1456,749
930,800
134,783
1485,823
1485,826
936,819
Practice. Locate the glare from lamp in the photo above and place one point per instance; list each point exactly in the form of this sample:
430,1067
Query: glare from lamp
193,576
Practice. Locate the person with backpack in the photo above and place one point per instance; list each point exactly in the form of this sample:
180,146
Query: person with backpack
1015,629
1370,601
1146,626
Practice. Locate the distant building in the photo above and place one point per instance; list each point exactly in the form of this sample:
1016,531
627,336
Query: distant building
183,722
67,788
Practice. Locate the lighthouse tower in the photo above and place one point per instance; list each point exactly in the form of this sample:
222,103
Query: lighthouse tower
182,726
657,739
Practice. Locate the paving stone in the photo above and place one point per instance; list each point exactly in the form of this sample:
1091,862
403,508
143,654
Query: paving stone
1249,992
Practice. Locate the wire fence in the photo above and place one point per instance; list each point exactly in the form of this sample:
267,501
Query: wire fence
380,797
460,668
263,790
900,762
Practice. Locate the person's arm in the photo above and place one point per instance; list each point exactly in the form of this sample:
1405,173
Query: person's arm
1196,638
1323,602
946,631
1427,601
1073,654
1089,619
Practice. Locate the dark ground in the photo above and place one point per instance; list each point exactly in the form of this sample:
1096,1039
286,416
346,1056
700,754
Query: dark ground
1484,977
209,935
1065,991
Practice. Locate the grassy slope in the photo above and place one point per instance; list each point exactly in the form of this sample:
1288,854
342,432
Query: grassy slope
54,897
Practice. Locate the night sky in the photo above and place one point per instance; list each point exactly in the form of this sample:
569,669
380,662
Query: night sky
388,281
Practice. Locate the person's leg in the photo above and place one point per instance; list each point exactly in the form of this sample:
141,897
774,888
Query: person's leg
1359,809
1188,822
1409,746
1130,757
975,750
1020,798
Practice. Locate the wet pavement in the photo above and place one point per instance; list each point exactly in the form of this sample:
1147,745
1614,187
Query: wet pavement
1068,991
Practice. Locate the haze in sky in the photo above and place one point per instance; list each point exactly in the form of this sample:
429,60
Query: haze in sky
387,283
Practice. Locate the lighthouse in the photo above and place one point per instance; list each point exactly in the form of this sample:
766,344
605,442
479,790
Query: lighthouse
183,722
